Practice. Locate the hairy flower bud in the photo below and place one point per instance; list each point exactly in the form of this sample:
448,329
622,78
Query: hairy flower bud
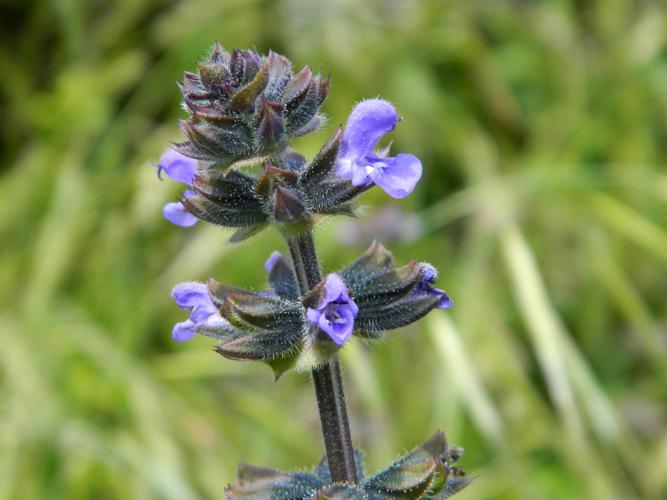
244,105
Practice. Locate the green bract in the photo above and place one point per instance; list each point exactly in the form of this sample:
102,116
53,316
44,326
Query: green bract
426,472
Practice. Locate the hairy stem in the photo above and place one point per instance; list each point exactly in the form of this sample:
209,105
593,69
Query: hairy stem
327,378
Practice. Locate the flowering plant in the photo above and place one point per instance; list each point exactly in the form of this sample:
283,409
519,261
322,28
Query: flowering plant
242,173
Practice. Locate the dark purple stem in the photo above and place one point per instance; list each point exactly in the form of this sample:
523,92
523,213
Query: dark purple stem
327,379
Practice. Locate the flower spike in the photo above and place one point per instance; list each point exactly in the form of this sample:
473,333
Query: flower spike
241,172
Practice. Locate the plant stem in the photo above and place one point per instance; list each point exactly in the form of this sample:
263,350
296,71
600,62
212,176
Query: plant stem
327,379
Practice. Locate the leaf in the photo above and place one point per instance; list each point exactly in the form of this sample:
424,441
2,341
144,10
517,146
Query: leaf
322,471
407,480
422,471
340,492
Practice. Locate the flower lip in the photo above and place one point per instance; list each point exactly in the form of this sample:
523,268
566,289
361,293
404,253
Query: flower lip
176,213
177,166
182,169
335,313
369,121
194,297
429,275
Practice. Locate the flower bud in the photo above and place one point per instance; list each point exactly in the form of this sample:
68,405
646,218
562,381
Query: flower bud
244,105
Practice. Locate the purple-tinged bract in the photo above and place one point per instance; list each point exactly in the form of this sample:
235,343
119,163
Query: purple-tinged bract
244,105
369,121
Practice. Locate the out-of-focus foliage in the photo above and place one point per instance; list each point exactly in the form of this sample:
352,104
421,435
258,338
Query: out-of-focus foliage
542,130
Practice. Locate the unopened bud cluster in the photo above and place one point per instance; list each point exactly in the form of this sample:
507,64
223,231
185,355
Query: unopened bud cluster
244,104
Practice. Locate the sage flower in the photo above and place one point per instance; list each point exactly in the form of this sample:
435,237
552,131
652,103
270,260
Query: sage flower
194,297
358,162
336,312
182,169
429,275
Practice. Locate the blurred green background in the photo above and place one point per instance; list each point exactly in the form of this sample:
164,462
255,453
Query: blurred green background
542,128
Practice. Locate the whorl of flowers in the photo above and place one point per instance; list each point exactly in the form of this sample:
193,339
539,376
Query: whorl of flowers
277,326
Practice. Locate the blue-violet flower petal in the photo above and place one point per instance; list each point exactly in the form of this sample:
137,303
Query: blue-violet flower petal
176,213
178,167
357,162
194,297
181,169
429,275
336,312
271,261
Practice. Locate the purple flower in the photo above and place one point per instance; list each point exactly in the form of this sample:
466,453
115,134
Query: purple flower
368,122
336,312
181,169
272,260
194,297
429,275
